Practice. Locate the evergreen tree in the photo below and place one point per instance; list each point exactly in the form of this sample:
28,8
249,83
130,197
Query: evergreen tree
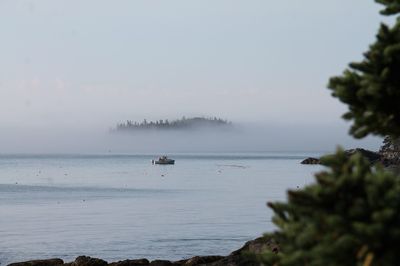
391,6
351,215
390,145
390,152
371,88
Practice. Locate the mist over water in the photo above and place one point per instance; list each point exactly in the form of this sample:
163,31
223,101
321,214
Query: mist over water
66,80
240,138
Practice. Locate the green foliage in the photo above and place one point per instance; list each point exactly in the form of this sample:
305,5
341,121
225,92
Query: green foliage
350,216
392,6
390,145
371,88
390,152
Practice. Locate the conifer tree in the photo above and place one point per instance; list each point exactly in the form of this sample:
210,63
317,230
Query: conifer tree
351,214
371,88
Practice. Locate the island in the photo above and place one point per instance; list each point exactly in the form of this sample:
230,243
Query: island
178,124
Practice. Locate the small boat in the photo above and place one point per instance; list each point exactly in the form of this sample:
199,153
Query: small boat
163,160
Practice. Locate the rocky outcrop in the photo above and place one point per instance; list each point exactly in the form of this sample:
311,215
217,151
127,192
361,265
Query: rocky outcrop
88,261
161,263
239,257
258,245
138,262
372,156
311,160
199,260
48,262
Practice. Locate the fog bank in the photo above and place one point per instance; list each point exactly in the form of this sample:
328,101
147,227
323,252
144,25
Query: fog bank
242,138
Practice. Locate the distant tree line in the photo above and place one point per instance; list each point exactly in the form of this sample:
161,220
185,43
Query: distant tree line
183,123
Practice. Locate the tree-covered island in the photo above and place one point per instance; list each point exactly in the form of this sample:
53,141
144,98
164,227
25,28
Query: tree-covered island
178,124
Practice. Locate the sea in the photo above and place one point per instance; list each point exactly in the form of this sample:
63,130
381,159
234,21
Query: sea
120,206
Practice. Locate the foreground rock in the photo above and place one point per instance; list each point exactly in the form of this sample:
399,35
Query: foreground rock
49,262
87,261
239,257
131,262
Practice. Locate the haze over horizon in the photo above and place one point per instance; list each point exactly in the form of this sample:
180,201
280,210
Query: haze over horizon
70,70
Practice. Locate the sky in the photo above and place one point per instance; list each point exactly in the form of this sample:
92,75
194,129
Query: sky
69,65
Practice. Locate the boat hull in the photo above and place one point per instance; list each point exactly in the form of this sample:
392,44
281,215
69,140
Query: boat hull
163,162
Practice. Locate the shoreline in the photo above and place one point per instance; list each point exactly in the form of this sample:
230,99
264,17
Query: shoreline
236,258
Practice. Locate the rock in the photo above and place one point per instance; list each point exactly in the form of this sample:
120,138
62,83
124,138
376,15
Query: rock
242,256
161,263
202,260
311,160
48,262
235,260
88,261
239,257
372,156
258,245
138,262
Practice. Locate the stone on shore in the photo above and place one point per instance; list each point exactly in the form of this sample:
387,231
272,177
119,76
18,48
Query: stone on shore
372,156
311,160
138,262
88,261
48,262
201,260
242,256
161,263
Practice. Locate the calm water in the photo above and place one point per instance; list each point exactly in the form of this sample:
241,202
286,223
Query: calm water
120,206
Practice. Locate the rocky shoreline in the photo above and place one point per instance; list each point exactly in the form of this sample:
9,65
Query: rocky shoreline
372,156
238,257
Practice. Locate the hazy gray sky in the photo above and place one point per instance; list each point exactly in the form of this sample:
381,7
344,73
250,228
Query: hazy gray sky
94,63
